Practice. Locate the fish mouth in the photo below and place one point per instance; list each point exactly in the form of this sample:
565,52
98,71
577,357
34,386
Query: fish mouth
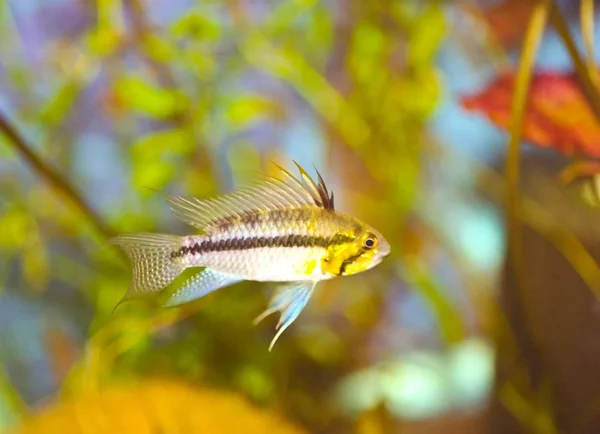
382,253
384,249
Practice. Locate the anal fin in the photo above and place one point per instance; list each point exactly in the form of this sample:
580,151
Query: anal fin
199,285
290,300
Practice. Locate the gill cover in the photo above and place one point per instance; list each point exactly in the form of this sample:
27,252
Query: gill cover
351,258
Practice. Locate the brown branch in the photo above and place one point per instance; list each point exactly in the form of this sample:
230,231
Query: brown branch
141,31
515,261
589,89
51,176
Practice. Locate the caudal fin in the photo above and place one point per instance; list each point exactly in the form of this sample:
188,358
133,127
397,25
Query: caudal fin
152,259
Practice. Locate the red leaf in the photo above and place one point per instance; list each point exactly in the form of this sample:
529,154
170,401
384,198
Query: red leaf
509,20
557,116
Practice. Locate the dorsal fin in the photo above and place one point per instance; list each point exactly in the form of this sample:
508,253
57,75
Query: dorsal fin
269,194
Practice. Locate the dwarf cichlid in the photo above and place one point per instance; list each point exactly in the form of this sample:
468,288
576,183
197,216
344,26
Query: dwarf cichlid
281,229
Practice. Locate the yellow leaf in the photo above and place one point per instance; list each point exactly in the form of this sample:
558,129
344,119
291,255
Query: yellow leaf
247,109
152,174
154,406
151,154
428,31
197,26
149,99
156,143
201,64
365,59
15,225
103,41
321,28
158,48
60,104
35,263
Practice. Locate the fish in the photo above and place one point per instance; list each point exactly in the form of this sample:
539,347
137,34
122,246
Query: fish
281,228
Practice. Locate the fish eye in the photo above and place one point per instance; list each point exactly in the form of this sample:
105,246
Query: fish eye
370,241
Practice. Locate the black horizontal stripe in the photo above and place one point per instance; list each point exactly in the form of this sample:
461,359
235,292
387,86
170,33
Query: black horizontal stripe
208,245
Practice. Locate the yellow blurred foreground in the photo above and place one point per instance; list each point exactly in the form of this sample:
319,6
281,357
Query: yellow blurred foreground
155,406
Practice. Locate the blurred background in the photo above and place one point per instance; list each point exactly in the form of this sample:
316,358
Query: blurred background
404,107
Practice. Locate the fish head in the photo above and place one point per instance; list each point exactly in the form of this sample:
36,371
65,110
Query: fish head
380,251
366,250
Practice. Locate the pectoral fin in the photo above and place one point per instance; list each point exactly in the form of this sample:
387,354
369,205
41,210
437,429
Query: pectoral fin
290,300
201,284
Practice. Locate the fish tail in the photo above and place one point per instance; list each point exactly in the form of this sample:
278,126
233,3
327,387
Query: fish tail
152,256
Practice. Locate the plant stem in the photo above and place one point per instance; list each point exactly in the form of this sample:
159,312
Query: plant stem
531,43
533,36
587,34
589,90
51,176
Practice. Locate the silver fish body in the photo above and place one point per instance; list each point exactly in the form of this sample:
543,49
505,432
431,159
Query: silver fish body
280,245
280,230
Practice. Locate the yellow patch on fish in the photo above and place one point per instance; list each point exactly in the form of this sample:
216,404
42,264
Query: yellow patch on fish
308,268
282,229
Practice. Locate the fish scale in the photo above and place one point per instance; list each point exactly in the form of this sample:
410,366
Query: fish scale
274,247
279,230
